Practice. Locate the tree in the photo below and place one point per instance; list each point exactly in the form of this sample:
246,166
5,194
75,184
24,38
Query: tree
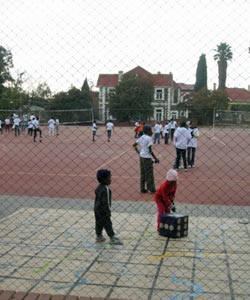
201,74
5,64
86,95
223,55
132,98
203,104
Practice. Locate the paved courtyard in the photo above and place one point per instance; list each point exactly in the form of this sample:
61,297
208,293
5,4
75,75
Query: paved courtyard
51,248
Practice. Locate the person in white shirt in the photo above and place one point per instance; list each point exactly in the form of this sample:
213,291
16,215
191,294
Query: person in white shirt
145,143
7,124
110,128
16,125
161,130
30,128
166,132
192,145
36,128
51,127
181,139
57,123
94,128
157,132
173,126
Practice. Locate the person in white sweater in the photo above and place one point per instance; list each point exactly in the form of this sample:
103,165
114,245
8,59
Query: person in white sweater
182,136
192,145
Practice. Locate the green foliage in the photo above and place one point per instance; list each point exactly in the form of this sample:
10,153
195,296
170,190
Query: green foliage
203,104
72,99
132,99
224,54
5,64
201,74
86,94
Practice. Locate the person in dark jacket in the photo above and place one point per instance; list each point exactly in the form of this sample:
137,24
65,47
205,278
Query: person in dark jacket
102,208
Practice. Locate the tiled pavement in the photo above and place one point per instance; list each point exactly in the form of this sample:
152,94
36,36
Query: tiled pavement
53,251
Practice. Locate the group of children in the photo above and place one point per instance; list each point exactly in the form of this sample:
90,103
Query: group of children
164,199
109,129
164,196
32,124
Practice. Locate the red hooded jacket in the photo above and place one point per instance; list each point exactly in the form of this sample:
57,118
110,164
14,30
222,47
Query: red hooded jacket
165,192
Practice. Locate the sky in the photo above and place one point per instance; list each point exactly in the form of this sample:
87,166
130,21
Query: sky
62,42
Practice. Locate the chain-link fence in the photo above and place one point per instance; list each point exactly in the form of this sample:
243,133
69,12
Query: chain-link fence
67,111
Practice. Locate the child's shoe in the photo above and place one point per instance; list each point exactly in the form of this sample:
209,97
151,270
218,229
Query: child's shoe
100,239
115,241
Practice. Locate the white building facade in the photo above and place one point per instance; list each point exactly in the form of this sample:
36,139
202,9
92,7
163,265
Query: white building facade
167,93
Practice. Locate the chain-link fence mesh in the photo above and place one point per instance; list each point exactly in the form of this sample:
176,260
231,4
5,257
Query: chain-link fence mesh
61,87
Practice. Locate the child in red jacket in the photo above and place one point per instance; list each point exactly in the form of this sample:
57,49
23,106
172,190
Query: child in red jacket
164,196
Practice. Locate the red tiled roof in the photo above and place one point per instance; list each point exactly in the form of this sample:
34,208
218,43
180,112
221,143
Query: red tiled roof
140,72
163,80
111,80
238,95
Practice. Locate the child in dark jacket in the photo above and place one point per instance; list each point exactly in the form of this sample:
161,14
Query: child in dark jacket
102,208
164,196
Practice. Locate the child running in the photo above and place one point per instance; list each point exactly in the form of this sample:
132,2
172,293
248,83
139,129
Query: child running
164,196
102,208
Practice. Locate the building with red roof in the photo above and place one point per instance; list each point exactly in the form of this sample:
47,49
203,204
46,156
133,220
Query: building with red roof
167,93
238,96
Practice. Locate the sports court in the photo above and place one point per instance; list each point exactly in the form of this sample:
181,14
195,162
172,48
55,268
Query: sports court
47,224
53,250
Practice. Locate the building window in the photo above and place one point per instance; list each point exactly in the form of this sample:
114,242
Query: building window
176,95
174,115
159,94
158,114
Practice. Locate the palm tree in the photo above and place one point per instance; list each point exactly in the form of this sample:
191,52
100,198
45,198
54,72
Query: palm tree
223,55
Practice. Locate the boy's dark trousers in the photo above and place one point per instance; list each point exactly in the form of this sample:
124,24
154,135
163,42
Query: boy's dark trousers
180,153
17,130
30,131
147,174
166,138
35,133
109,134
191,155
172,130
103,221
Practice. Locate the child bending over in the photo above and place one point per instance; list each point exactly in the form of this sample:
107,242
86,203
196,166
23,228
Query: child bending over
164,196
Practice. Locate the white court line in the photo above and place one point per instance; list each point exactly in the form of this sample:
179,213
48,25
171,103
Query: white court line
217,140
111,160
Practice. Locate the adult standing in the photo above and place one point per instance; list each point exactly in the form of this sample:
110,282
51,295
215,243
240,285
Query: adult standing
110,128
181,139
145,143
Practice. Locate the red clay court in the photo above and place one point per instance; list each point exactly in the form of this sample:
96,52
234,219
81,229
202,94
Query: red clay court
65,166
